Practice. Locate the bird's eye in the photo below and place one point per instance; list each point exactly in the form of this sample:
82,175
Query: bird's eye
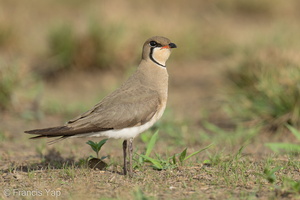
153,43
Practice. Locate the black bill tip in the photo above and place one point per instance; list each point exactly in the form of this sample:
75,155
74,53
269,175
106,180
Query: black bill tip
172,45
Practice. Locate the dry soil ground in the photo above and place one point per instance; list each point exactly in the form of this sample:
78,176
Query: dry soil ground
44,170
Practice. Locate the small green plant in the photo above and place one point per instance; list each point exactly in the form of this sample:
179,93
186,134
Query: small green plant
214,159
288,186
183,156
232,166
96,146
291,186
160,163
287,147
69,171
96,163
269,174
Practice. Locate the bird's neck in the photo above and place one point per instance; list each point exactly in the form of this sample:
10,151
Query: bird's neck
154,76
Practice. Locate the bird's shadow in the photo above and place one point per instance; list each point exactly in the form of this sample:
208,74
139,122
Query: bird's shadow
54,160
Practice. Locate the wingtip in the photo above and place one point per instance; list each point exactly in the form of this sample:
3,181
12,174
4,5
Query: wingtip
29,132
37,137
35,131
48,131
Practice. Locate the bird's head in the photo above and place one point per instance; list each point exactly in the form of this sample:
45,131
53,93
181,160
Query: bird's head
157,49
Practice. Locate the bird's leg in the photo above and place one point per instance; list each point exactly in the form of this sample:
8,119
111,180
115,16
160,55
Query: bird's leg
130,152
124,155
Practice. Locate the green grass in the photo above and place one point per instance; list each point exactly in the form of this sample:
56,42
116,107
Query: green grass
159,162
238,173
265,89
236,170
287,147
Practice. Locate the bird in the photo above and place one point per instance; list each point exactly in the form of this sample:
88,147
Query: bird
129,110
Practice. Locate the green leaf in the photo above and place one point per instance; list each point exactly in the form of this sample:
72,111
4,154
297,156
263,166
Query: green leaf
155,162
283,146
192,154
276,169
96,146
270,174
141,160
101,143
174,159
207,161
294,131
145,137
239,153
182,155
90,142
103,157
90,157
151,143
93,145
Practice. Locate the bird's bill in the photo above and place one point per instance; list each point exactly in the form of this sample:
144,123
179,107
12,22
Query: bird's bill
169,46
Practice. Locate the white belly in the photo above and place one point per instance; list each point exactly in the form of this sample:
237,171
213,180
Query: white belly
125,133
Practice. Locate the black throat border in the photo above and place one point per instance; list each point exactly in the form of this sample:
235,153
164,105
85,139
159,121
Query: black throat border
151,57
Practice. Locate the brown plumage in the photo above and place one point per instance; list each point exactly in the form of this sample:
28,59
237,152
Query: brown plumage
129,110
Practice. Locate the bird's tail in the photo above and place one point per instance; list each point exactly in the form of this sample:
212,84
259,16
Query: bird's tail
50,132
60,131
